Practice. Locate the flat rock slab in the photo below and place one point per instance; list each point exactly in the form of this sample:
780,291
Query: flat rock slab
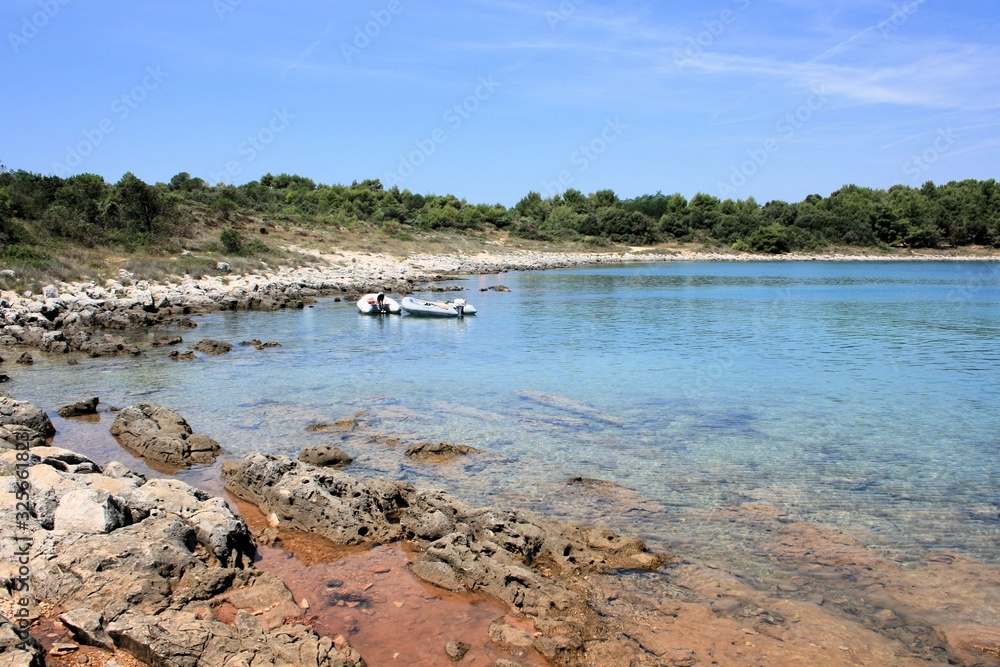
346,425
213,347
438,452
158,434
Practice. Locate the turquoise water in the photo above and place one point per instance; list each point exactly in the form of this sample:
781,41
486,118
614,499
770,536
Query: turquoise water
862,395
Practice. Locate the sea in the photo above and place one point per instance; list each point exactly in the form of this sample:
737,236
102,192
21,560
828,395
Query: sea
862,396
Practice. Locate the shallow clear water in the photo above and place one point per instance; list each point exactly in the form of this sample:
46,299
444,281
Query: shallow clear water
864,395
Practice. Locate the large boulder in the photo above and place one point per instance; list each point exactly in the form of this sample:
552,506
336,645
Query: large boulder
347,511
157,434
24,413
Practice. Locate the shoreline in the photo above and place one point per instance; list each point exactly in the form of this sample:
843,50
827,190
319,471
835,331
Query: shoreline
69,316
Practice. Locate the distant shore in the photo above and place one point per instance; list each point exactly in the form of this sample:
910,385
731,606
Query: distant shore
64,317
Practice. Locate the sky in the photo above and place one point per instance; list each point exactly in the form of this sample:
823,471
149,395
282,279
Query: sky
491,99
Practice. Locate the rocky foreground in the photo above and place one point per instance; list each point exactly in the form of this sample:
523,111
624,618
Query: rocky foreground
136,566
145,566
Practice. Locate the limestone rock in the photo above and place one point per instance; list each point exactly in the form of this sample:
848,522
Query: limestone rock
158,434
112,346
345,425
88,511
80,408
505,554
24,413
438,452
16,435
213,347
325,456
87,627
169,340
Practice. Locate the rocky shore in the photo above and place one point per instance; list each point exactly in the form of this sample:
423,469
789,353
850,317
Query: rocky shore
82,317
161,571
140,571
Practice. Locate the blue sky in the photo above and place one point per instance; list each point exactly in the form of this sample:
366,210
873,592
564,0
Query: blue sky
491,99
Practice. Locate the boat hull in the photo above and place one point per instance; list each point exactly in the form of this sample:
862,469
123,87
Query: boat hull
422,308
368,305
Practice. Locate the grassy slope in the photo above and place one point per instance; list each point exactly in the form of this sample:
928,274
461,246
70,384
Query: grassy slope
298,243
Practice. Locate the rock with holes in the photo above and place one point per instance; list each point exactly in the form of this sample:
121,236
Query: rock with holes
159,434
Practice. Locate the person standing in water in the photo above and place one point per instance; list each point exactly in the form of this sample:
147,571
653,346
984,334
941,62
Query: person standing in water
380,299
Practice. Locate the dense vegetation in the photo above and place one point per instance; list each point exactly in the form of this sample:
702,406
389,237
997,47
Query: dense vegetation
39,212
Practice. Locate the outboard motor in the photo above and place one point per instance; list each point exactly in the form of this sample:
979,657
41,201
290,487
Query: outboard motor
459,305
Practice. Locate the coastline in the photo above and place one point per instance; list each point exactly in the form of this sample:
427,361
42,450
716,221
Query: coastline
679,615
70,317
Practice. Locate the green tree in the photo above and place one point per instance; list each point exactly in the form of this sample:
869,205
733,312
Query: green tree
9,231
137,206
533,207
771,239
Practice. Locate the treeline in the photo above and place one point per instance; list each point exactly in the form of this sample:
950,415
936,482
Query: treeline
36,210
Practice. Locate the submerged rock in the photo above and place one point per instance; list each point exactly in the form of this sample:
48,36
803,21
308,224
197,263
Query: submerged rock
438,452
168,340
325,456
345,425
158,434
80,408
213,347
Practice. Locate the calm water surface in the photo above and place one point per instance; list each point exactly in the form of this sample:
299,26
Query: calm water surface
863,395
